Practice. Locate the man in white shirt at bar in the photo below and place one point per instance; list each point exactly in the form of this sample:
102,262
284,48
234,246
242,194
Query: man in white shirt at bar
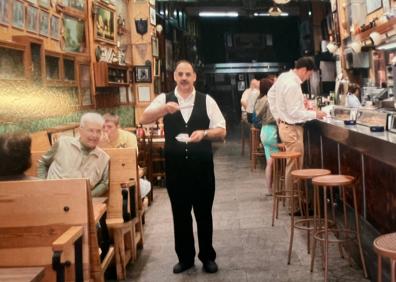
286,102
248,100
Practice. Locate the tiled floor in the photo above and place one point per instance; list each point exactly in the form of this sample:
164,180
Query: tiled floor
248,247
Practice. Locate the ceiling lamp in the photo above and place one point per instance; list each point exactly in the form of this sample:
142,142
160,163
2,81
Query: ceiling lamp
281,2
275,11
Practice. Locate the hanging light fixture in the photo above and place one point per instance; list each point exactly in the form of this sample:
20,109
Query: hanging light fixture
274,11
281,2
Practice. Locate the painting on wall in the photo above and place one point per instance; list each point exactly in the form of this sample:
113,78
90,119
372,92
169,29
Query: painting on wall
44,3
18,14
154,46
104,24
142,74
54,27
44,23
153,20
373,5
4,12
31,19
73,35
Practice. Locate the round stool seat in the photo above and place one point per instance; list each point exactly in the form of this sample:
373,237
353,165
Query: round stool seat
285,155
333,180
310,173
385,245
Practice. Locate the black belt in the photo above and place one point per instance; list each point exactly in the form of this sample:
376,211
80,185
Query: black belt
284,122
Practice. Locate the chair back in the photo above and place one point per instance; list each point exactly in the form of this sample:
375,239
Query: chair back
123,170
40,141
34,213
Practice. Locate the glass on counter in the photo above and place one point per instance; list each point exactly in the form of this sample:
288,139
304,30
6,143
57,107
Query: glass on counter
344,113
372,118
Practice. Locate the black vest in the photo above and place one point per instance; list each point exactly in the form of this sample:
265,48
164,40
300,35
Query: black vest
174,124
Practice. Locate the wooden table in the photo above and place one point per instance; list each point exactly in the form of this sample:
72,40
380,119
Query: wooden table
22,274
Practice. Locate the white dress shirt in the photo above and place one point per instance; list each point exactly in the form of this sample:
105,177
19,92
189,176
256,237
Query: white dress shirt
286,99
215,116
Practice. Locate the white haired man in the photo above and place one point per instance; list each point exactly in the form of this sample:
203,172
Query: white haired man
79,157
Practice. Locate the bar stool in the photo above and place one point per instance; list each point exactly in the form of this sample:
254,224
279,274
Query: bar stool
327,183
385,246
303,176
280,192
255,149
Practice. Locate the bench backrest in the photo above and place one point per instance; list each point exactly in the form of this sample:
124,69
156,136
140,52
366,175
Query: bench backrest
34,213
123,169
40,141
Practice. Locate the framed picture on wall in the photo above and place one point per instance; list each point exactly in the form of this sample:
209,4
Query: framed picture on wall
142,74
153,20
373,5
44,23
4,8
74,34
31,19
54,27
104,24
154,45
18,14
143,93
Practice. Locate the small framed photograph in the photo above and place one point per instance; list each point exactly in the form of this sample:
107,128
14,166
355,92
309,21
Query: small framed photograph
152,16
154,46
18,14
4,14
241,85
31,19
373,5
44,3
144,93
54,27
104,24
74,35
142,74
44,23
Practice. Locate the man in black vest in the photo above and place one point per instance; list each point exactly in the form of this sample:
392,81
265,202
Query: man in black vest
191,121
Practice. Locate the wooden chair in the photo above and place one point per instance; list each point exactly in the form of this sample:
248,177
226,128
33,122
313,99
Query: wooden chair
40,141
51,223
125,210
256,149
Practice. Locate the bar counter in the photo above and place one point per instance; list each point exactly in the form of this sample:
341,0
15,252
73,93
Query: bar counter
368,156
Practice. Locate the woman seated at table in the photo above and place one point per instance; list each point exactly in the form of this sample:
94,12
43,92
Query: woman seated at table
15,156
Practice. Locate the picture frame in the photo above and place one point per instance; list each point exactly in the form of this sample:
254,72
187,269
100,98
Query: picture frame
154,46
77,4
373,5
104,27
43,23
143,93
157,67
34,2
73,35
18,14
32,19
153,20
4,12
333,4
55,27
142,74
44,3
241,85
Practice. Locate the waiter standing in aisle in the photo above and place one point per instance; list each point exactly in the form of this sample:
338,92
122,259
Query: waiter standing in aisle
191,121
286,102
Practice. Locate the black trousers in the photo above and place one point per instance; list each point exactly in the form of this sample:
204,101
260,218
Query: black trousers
191,186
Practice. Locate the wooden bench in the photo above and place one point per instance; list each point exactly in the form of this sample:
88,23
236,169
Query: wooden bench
51,224
125,210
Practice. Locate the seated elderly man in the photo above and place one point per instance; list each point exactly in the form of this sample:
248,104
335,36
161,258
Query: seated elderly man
115,137
79,157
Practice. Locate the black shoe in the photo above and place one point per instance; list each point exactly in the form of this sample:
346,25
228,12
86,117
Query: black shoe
181,266
210,266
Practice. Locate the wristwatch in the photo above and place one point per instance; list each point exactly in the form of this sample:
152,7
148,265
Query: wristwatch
205,133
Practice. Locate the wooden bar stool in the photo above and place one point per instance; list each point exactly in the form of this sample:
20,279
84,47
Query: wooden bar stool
255,148
280,192
385,246
343,234
303,176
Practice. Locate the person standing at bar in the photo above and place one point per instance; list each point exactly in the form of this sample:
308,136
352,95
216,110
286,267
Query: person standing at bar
196,120
286,102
